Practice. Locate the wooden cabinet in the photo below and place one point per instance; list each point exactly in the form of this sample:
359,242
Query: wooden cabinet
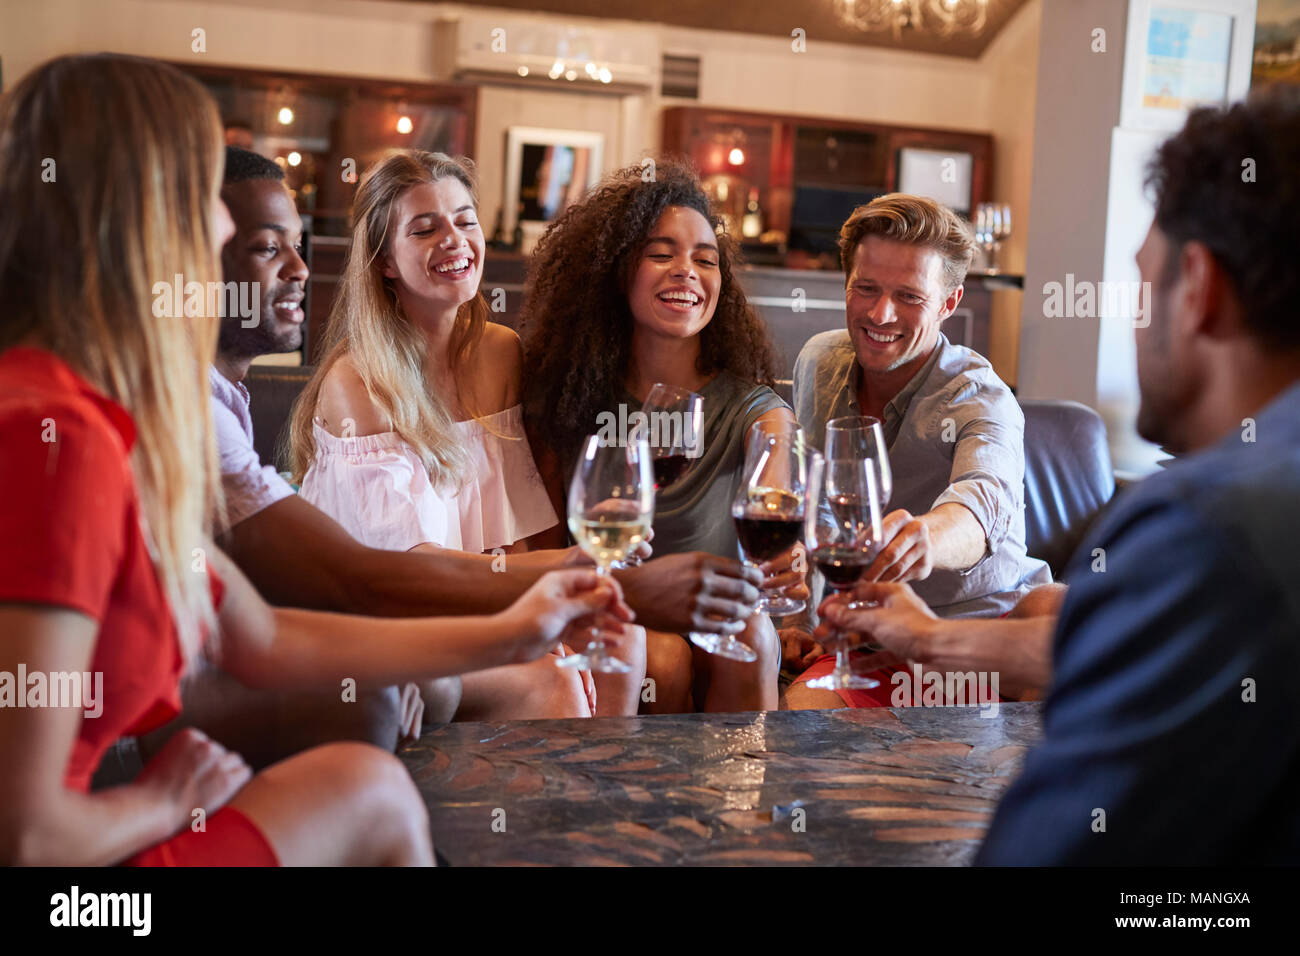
808,172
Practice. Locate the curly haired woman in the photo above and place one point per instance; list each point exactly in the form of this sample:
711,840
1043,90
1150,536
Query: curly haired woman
631,287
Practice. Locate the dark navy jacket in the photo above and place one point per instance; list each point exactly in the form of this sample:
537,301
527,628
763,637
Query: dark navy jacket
1175,703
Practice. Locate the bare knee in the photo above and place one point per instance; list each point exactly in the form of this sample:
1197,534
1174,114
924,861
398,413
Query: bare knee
802,697
388,805
555,692
441,698
670,669
766,642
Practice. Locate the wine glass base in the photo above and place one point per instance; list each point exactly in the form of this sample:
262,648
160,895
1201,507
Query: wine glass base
833,681
779,606
596,660
725,646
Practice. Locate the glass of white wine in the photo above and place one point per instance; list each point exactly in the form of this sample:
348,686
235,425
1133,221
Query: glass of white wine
611,508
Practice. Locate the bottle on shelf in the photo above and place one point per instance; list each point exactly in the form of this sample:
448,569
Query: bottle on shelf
518,238
751,226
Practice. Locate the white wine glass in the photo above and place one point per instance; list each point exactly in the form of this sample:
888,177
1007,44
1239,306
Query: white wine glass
611,508
843,535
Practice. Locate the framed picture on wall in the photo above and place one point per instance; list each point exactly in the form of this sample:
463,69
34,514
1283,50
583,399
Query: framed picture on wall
1182,54
1277,43
546,170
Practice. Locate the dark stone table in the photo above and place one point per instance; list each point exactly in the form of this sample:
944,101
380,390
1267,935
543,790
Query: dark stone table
899,786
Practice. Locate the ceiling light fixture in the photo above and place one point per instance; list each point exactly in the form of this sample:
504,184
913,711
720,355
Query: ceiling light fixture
942,18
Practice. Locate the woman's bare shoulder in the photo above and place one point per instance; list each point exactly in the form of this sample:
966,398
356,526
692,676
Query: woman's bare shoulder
344,407
498,367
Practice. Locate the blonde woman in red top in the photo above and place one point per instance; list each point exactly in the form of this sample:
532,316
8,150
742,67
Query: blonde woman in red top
106,568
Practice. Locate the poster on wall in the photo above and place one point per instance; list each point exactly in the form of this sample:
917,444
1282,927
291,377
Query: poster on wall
1184,54
1277,43
1186,61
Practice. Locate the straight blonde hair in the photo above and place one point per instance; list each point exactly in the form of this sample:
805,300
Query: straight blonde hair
367,325
112,166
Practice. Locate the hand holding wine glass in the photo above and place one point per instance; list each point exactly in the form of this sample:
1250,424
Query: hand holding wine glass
843,533
768,511
559,603
611,507
776,600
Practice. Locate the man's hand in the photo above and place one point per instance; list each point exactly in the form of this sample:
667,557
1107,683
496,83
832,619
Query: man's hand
691,592
908,554
782,574
902,623
798,649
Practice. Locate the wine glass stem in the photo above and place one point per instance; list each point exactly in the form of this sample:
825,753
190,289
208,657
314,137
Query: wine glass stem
594,647
842,667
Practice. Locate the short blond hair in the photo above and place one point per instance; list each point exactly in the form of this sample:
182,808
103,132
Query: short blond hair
916,221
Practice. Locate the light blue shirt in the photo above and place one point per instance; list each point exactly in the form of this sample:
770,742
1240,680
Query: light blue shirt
955,434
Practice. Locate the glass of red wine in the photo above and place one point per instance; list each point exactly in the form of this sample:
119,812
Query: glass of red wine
843,534
773,601
861,436
771,500
674,432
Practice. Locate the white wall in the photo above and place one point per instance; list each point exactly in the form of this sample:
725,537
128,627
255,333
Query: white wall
1011,62
1077,107
1089,214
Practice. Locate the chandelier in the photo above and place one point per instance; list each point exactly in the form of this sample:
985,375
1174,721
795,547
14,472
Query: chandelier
942,18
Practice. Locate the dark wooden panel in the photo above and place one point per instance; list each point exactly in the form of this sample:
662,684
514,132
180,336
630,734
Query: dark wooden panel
906,786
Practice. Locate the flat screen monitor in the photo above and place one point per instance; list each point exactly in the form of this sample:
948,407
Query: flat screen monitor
943,175
820,211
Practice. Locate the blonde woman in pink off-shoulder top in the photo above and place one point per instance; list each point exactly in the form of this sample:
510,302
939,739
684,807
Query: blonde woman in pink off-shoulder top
410,434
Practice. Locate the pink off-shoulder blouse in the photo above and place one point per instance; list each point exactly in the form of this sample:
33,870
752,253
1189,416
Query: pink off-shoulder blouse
377,488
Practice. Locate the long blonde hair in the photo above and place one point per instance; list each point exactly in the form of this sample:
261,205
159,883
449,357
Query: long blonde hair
387,350
111,166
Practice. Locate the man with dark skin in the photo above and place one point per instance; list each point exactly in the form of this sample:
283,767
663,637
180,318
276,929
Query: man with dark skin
297,556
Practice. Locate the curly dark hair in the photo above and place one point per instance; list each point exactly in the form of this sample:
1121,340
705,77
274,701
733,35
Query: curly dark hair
1204,192
576,322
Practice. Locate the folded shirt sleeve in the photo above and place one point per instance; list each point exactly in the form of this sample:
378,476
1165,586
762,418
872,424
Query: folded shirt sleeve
988,464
